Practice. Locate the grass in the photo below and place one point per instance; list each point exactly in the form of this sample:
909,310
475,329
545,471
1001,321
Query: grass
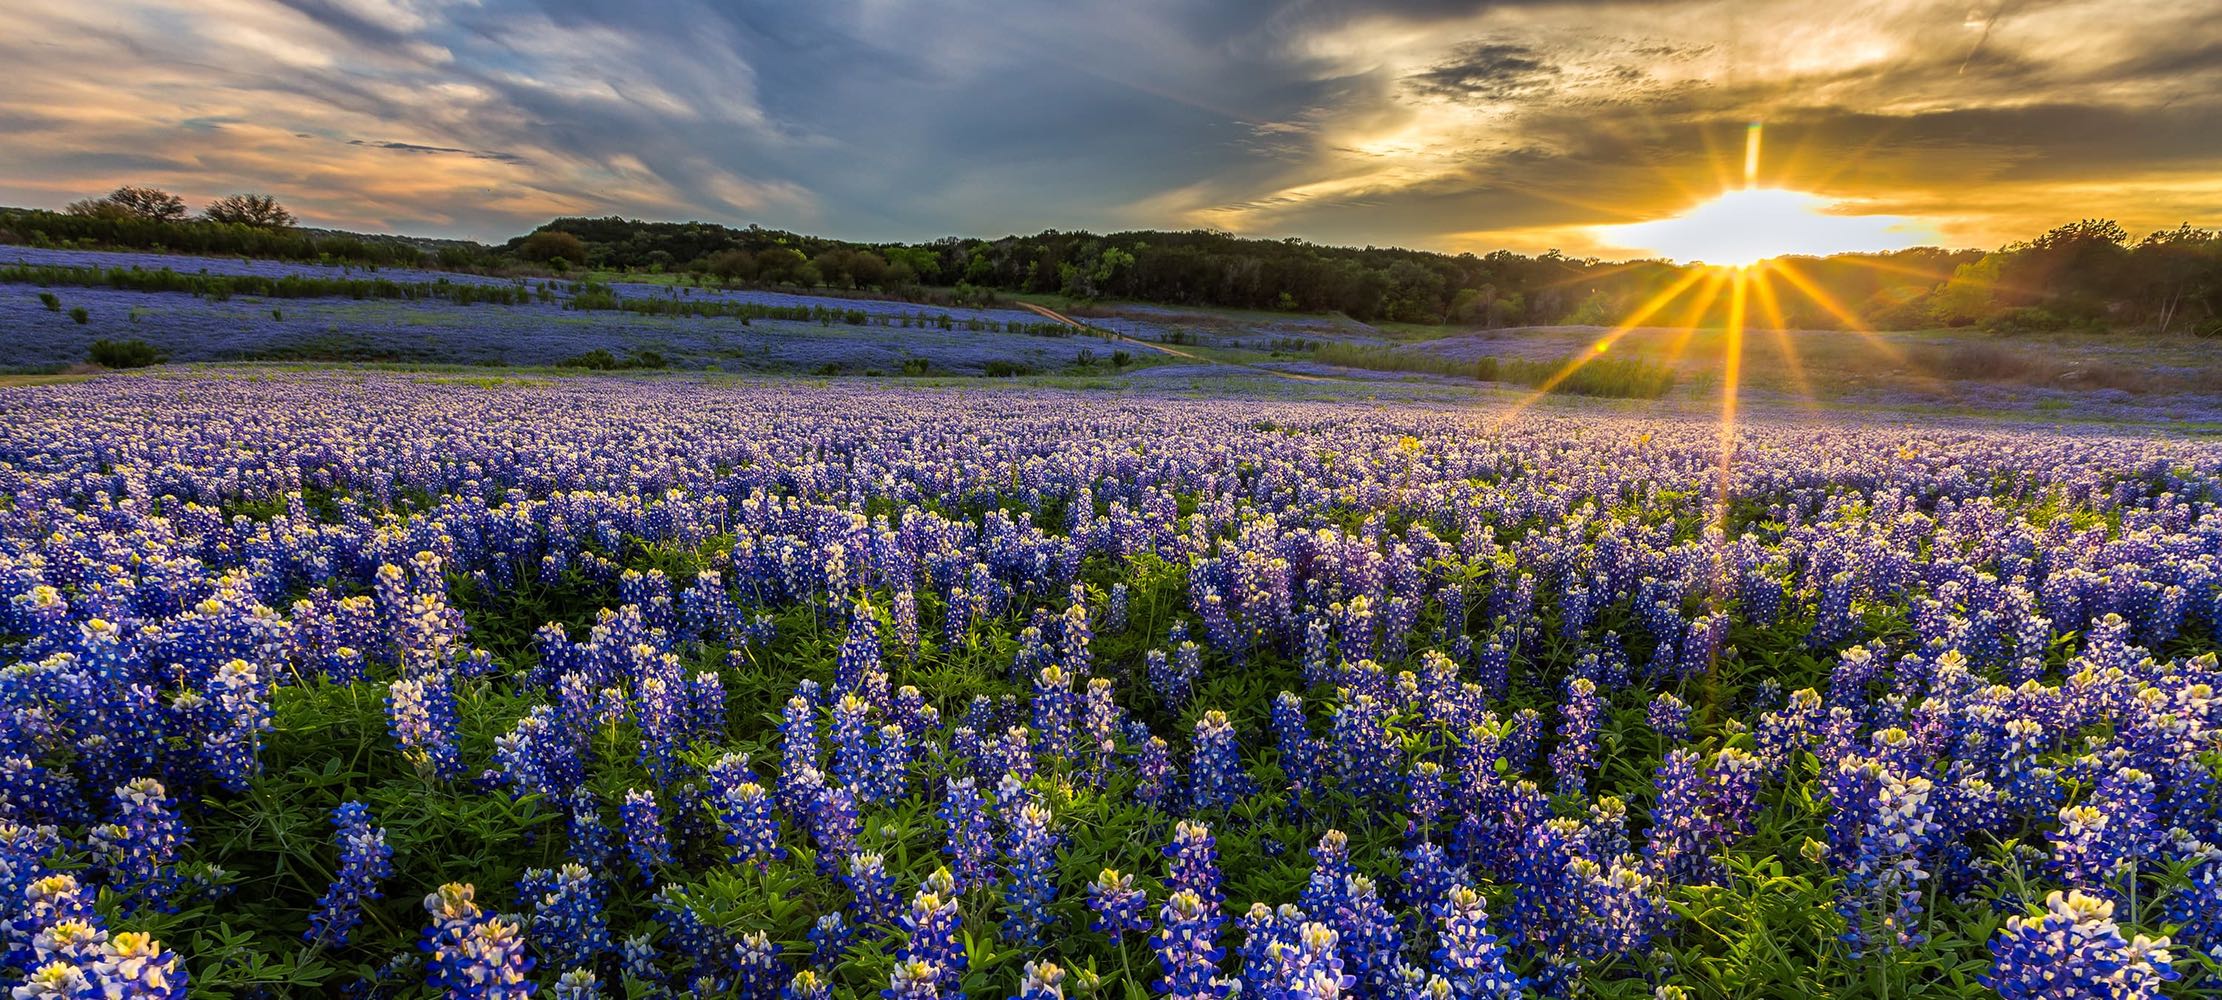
1625,378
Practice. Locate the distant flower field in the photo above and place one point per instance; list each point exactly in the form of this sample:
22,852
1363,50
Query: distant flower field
372,686
851,336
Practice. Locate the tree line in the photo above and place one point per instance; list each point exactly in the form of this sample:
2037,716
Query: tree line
2089,274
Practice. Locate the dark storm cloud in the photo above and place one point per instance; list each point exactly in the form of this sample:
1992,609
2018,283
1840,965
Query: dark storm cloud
1486,71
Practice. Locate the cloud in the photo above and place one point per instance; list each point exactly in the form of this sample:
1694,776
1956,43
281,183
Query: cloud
1490,71
1450,123
411,147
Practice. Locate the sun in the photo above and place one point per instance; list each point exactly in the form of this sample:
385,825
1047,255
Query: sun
1748,225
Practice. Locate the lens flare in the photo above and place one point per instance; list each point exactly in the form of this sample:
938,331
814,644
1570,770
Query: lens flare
1743,227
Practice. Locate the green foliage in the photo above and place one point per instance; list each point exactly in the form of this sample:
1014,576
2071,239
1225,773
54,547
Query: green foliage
132,353
549,245
257,210
223,286
599,359
116,228
80,315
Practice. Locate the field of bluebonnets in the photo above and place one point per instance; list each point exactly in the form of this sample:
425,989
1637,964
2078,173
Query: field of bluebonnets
373,685
55,303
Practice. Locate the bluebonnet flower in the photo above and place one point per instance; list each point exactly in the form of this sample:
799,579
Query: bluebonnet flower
807,985
1467,954
637,959
1154,771
757,972
745,810
567,923
1195,863
1364,754
1669,717
914,979
133,964
2074,949
1577,746
1328,888
1118,905
1372,939
62,948
1187,947
140,847
645,840
1042,981
835,826
1882,827
422,714
2107,835
1055,710
934,939
364,861
1424,790
1216,777
891,757
239,708
1299,757
471,954
970,842
1306,965
1428,874
578,984
1172,679
1031,861
829,940
706,703
872,889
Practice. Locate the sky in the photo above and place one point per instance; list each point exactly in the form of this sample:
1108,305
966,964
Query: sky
1522,124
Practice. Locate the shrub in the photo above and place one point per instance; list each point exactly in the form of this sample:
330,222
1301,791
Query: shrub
1006,369
602,360
552,245
915,366
1121,359
80,315
132,353
51,301
1621,378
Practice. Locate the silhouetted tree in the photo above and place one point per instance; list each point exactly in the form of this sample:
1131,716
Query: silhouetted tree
258,210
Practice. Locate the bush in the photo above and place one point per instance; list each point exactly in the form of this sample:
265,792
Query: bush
132,353
81,316
1006,369
2027,319
915,366
601,360
1620,378
51,301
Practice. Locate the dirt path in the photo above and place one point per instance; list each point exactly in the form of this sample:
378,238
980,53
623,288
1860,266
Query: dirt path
1169,349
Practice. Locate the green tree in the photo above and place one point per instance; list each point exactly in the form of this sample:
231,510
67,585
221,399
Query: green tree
150,204
549,245
259,210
